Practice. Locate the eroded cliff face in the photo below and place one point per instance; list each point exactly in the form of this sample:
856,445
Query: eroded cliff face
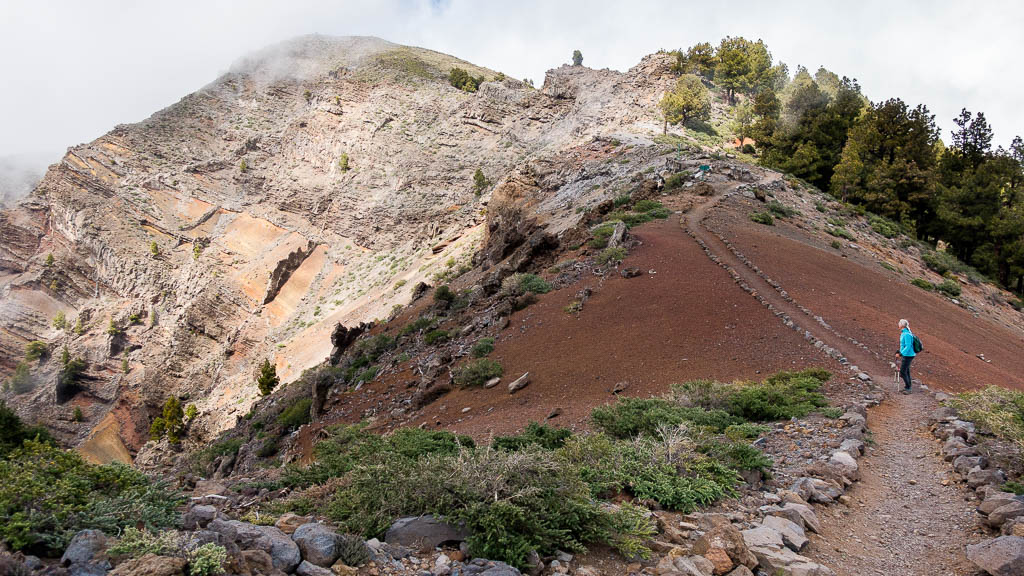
227,228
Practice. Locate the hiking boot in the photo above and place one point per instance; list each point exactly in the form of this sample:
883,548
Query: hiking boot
906,390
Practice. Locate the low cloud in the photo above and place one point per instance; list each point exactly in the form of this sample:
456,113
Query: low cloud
74,70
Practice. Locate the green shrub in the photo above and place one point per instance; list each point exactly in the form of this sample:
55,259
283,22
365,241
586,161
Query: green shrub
414,442
601,234
819,207
135,543
647,206
1015,487
737,455
674,476
444,295
76,414
762,218
745,431
533,284
202,459
621,200
884,226
949,287
36,350
48,494
840,232
630,417
1017,304
295,415
534,434
343,162
832,412
611,255
436,337
60,321
421,323
511,502
836,244
944,263
781,210
676,180
482,348
269,447
207,560
477,372
13,432
461,79
780,397
922,283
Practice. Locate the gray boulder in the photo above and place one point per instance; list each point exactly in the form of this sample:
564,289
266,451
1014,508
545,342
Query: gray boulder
318,543
83,547
979,477
424,533
307,569
283,551
793,535
1009,511
762,537
994,500
962,465
1003,556
198,516
853,446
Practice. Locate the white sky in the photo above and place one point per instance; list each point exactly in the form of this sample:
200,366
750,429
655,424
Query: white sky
73,69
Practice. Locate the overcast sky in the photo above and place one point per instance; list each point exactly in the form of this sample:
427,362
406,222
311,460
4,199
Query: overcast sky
74,69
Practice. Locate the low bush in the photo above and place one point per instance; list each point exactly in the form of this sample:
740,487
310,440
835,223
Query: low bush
461,79
512,503
421,323
202,459
297,414
601,234
135,543
794,396
376,346
435,337
611,255
519,283
477,372
669,473
1015,487
762,218
676,180
781,210
48,494
482,348
630,417
444,295
840,232
884,226
207,560
14,432
413,442
745,431
922,283
534,434
944,263
949,287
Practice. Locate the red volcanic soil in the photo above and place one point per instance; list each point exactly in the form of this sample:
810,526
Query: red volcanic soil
862,300
683,319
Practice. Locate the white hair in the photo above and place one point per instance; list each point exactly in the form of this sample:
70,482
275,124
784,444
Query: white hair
904,323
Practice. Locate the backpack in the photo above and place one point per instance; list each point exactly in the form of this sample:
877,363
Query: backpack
916,345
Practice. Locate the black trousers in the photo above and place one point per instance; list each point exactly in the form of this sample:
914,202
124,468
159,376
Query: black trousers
905,370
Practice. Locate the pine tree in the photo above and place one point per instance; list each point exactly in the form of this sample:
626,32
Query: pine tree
689,99
172,417
480,182
267,379
577,58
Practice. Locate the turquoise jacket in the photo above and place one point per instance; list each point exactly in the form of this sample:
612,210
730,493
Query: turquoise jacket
907,343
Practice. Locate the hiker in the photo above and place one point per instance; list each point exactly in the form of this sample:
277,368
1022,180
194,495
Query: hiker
906,353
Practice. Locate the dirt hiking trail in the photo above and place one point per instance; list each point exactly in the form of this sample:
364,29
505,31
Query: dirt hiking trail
907,515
